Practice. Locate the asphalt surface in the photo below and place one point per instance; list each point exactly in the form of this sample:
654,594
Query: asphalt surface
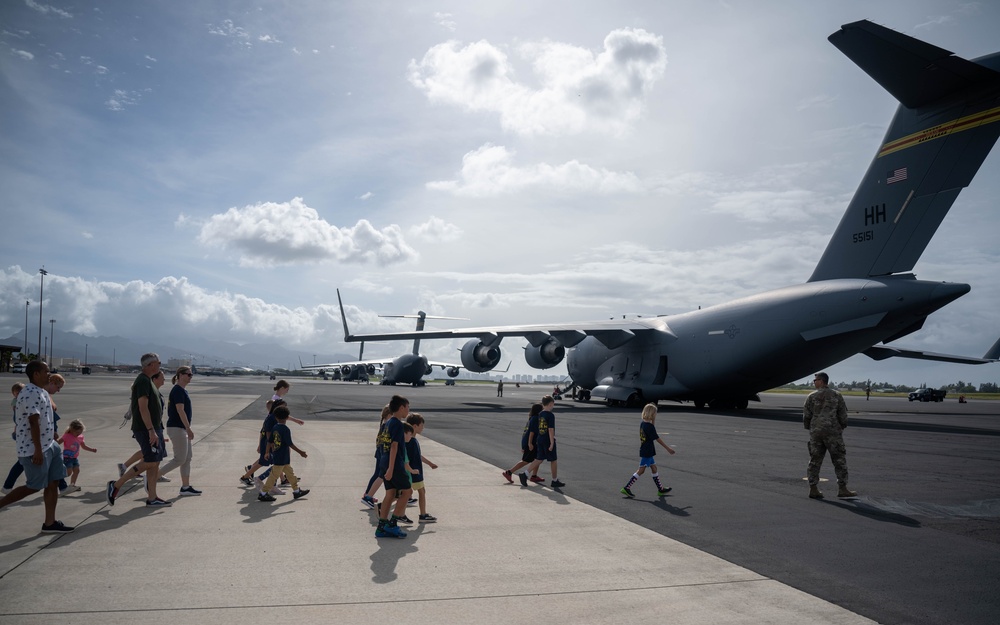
921,544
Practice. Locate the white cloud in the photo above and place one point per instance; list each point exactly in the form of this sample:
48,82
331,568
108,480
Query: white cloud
367,196
45,9
489,170
578,90
436,229
121,99
291,232
24,54
268,39
445,21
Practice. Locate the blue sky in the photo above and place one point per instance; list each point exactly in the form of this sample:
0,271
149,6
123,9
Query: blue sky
217,169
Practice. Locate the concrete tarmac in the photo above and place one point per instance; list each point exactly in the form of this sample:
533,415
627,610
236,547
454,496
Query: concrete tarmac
728,546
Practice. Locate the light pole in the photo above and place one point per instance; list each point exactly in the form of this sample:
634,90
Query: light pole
41,300
26,327
52,339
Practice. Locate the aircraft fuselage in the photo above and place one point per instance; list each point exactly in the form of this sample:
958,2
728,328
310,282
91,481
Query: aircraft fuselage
740,348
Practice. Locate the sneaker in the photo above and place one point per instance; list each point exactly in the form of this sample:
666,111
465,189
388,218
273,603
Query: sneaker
524,478
57,527
5,490
72,488
394,531
121,469
508,476
369,501
412,501
284,481
426,518
246,480
536,479
627,493
403,519
258,484
664,491
302,492
265,497
381,533
163,479
157,503
189,490
557,484
274,492
112,492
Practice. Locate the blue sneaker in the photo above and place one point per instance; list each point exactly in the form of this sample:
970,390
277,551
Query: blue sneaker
394,531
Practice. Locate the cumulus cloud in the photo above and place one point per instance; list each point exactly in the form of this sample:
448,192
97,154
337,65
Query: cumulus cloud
24,54
489,170
436,229
577,90
170,307
445,21
291,232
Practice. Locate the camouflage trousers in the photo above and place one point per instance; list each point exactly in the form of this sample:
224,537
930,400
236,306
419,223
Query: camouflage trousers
819,444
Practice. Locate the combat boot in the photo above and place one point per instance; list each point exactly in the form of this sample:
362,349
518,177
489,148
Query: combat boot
845,492
814,492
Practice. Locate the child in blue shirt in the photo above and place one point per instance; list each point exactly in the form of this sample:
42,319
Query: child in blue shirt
417,461
279,447
647,452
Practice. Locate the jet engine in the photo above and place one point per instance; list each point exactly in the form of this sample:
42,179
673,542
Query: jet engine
345,370
370,369
545,356
477,357
452,372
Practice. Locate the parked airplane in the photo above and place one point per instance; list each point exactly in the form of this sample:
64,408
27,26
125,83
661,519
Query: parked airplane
405,369
861,292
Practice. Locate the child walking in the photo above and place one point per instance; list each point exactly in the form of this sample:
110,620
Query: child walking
417,461
279,447
527,449
72,441
647,452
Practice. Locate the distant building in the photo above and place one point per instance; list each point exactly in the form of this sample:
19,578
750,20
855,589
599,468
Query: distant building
173,363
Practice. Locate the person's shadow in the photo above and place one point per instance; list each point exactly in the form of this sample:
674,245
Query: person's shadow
390,551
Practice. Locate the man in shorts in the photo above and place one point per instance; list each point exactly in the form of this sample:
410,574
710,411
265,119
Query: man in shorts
37,451
147,429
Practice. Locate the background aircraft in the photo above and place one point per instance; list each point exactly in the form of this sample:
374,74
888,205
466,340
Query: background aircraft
861,292
405,369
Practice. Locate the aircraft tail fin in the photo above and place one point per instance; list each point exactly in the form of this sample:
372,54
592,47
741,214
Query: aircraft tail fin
946,125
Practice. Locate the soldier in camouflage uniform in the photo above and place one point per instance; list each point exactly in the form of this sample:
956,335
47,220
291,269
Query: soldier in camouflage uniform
825,416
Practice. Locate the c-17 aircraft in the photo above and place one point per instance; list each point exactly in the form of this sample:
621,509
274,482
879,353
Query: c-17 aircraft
860,297
405,369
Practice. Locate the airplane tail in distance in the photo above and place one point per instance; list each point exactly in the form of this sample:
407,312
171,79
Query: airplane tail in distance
947,123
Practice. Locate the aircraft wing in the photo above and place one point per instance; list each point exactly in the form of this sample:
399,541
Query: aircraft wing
612,334
352,363
881,353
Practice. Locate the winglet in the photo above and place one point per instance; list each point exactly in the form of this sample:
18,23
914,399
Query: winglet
993,353
343,317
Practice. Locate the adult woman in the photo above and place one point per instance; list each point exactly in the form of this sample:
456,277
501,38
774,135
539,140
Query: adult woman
179,429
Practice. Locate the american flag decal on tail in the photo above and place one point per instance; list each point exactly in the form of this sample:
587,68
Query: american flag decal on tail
896,175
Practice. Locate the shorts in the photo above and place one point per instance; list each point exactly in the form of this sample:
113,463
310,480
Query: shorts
400,481
150,453
417,485
37,477
529,455
544,453
71,462
647,462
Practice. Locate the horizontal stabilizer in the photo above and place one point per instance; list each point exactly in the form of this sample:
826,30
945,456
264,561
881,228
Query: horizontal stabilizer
914,72
881,353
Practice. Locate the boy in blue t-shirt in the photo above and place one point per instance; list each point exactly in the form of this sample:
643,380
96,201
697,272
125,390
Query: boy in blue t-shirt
392,462
545,442
279,448
416,461
647,452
